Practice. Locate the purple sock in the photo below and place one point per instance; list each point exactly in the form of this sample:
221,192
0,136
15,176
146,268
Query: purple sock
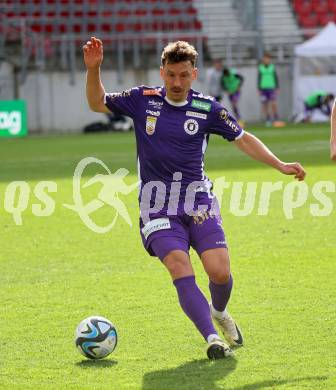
195,305
220,294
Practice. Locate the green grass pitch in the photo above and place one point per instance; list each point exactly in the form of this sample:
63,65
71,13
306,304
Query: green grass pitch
55,272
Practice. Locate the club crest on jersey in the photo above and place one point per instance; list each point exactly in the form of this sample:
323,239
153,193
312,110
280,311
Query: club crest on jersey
223,114
191,126
150,124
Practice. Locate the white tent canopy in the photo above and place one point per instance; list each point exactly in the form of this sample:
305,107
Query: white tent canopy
322,44
315,67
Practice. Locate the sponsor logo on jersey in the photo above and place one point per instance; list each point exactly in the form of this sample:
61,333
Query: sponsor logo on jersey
150,124
233,126
191,126
151,92
155,225
125,93
196,114
155,104
153,113
204,106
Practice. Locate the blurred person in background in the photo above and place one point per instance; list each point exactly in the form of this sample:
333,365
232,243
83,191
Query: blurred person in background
214,80
231,83
318,100
333,133
268,86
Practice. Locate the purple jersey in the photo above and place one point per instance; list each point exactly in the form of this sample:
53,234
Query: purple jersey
172,138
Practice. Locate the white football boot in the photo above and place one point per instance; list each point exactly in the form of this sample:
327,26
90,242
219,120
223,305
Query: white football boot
217,349
228,327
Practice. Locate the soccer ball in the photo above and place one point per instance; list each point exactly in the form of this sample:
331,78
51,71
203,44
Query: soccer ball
96,337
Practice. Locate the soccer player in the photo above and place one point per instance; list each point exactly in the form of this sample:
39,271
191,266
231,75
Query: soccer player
333,133
318,100
268,86
214,79
231,82
172,127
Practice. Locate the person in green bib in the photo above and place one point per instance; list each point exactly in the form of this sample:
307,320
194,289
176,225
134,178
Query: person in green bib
268,86
318,100
333,133
231,83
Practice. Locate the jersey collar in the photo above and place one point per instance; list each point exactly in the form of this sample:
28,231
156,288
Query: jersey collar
180,104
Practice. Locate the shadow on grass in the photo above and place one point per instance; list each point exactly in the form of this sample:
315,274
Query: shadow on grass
275,383
96,364
203,374
199,374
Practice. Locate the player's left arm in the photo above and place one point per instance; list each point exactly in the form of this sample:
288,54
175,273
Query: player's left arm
276,80
240,78
256,149
333,133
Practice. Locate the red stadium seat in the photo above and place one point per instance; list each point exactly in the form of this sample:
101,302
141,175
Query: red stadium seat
324,19
120,27
197,25
308,21
321,7
174,11
191,11
106,27
36,27
91,27
49,28
303,8
332,6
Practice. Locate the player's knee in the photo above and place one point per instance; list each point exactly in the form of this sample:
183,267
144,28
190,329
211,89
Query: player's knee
178,264
220,276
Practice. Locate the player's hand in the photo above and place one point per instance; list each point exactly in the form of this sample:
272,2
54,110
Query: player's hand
333,150
93,53
295,169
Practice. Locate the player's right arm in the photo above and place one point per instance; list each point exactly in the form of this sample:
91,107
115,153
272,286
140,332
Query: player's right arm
95,91
333,133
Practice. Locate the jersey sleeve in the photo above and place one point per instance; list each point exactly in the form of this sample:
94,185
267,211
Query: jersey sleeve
224,124
125,102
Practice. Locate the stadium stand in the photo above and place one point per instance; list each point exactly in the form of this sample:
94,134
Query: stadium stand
241,29
314,13
220,24
280,30
87,16
51,32
55,28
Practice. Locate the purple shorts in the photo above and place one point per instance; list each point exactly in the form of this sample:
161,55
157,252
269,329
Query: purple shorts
167,233
267,95
234,98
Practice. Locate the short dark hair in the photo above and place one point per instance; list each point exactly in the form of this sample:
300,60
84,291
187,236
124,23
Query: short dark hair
179,51
226,71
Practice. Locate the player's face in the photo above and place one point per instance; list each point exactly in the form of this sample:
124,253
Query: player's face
266,60
177,79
